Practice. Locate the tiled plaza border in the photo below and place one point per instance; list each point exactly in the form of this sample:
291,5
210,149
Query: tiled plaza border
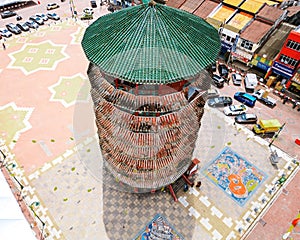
241,228
29,196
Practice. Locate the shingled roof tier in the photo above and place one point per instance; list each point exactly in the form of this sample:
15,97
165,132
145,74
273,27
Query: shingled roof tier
151,44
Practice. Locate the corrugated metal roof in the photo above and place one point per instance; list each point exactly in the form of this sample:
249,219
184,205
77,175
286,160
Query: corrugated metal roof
240,20
175,3
205,8
251,6
191,5
151,44
269,13
255,31
234,3
223,13
276,40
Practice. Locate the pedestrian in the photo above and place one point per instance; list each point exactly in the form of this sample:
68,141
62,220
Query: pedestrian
2,42
295,104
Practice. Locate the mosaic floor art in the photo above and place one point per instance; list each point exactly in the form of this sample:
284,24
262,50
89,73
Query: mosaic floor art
237,177
159,228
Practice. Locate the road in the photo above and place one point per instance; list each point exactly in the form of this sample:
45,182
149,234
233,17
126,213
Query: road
64,11
283,112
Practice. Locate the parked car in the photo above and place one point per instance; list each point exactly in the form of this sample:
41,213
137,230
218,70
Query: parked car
7,14
219,101
13,28
42,16
87,17
93,4
246,118
23,26
89,11
211,93
5,33
263,97
36,19
32,24
223,70
53,16
218,81
51,6
245,98
236,79
235,110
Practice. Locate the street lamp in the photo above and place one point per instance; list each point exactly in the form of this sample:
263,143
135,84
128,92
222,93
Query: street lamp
276,135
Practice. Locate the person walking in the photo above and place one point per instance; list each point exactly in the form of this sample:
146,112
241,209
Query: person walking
3,42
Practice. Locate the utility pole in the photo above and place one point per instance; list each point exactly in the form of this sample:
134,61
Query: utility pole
276,135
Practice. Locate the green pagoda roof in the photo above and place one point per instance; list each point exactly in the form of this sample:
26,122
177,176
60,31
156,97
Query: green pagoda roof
151,44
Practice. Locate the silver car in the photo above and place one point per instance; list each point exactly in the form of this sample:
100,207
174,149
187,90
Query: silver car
32,24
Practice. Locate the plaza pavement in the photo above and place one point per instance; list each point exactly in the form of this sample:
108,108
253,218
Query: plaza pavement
49,134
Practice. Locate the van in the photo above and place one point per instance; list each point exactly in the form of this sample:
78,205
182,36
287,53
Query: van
267,126
245,98
250,81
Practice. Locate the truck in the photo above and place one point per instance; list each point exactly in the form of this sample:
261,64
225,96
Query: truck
267,126
262,96
250,81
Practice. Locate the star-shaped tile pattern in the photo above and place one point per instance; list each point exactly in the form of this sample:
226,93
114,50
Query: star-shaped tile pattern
68,90
33,57
14,121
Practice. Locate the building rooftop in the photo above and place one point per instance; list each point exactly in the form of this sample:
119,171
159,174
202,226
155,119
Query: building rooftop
251,6
223,13
151,44
191,5
255,31
240,20
269,13
175,3
272,47
206,8
234,3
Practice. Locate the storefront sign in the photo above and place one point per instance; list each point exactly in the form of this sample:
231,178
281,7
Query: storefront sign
283,70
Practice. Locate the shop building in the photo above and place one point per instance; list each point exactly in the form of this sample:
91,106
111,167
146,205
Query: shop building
286,65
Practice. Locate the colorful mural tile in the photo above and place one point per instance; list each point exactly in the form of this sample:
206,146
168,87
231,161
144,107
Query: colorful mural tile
237,177
158,228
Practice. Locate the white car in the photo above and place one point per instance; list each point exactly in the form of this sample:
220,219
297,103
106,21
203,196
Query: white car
235,110
88,11
52,6
53,16
5,33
